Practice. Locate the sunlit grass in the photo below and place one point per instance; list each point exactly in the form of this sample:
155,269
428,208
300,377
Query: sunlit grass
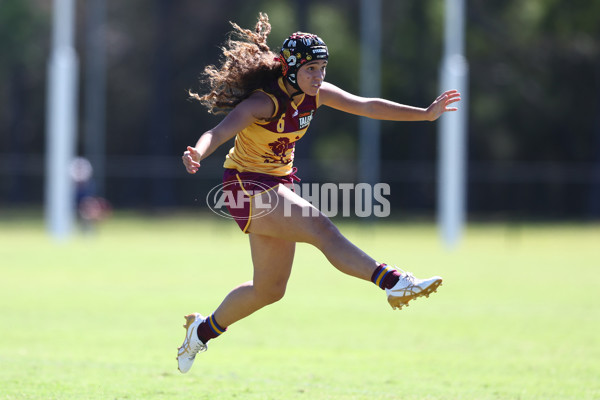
99,316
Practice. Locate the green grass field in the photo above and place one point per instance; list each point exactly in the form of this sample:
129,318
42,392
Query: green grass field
100,317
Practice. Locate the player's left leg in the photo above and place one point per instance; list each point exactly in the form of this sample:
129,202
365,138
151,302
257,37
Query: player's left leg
295,219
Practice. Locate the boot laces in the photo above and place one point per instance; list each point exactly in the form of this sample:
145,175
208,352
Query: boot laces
198,346
191,347
408,277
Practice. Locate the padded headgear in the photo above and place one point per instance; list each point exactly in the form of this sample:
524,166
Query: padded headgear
297,50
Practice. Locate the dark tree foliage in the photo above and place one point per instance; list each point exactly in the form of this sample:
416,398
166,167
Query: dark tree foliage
534,102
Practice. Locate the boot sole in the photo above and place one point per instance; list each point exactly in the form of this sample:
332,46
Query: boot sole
397,302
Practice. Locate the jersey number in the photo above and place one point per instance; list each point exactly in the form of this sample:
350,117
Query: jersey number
281,123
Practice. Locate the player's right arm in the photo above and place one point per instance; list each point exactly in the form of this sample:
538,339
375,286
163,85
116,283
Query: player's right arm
257,107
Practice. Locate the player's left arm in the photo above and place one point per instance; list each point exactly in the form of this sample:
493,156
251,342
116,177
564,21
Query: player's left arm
377,108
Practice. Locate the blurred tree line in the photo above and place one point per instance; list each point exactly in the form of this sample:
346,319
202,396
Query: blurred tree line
534,99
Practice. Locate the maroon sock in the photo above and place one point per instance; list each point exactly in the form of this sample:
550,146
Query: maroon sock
209,329
385,276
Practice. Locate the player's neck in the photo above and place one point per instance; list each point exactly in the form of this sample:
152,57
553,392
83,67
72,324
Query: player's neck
294,94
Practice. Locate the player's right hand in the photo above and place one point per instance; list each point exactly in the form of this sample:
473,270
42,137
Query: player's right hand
191,160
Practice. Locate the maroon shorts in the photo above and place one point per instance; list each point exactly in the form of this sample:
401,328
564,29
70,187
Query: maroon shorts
241,188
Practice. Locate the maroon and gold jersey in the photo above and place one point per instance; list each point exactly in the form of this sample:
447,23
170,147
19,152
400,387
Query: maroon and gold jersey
268,147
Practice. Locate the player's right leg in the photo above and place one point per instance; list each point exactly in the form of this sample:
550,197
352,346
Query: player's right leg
272,260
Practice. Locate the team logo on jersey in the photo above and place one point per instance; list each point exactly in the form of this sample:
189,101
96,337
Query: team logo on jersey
281,146
281,151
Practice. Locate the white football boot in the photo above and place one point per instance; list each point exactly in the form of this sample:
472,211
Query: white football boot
191,344
409,287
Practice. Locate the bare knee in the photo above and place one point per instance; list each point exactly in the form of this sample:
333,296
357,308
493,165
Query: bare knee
323,232
271,294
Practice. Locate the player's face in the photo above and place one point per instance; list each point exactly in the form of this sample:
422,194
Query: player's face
310,76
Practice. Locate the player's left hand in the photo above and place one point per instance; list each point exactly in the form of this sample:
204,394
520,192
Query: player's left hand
440,105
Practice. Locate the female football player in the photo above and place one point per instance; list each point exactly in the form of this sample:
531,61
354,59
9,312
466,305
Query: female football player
269,100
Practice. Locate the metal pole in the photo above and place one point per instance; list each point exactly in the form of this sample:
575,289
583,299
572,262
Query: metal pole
452,129
370,86
61,122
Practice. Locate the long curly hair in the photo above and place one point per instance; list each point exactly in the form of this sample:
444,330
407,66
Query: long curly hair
247,64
